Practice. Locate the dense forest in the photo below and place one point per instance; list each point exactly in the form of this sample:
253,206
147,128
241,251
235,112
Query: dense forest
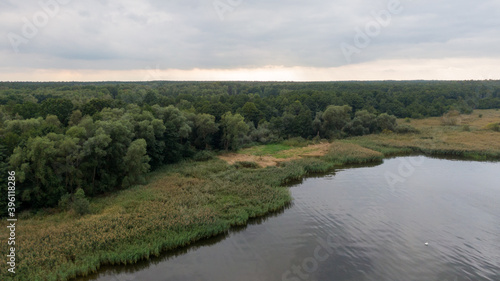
69,139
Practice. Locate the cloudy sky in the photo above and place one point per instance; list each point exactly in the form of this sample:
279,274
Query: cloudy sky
326,40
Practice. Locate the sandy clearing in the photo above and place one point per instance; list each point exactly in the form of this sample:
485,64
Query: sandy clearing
315,150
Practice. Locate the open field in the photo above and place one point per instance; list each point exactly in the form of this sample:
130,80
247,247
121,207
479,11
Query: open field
189,201
469,138
273,154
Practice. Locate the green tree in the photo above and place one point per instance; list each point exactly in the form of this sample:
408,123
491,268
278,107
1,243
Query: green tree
46,168
234,129
366,120
136,163
147,127
75,118
27,110
335,118
178,130
317,125
80,204
386,122
95,149
150,98
61,108
251,113
204,127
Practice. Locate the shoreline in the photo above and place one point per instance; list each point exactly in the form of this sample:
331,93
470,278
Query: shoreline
207,240
228,197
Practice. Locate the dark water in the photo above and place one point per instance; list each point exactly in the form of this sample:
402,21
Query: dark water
368,223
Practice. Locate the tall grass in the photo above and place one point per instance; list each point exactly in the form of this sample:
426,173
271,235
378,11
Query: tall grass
475,145
183,204
342,153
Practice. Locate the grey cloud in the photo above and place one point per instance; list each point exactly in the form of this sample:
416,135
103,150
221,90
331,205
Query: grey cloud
112,34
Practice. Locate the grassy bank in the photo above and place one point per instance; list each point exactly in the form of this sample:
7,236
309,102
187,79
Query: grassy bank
182,204
189,201
470,138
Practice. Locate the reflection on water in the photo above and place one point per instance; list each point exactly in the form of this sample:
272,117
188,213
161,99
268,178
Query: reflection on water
357,224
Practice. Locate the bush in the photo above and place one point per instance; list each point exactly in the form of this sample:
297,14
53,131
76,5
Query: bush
466,128
246,164
296,142
480,116
386,122
78,202
451,118
493,126
204,155
315,165
406,129
407,120
316,139
417,115
81,205
65,202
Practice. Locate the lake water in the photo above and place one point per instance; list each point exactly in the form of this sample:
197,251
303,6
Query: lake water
410,218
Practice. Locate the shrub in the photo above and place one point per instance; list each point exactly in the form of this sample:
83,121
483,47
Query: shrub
316,139
407,120
493,126
466,128
315,165
415,115
81,204
204,155
76,202
296,142
406,129
386,122
65,202
451,118
480,116
246,164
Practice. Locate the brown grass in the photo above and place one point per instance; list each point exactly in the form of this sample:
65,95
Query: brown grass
315,150
438,139
473,120
182,204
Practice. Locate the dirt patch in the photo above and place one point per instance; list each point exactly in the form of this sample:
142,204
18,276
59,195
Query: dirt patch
315,150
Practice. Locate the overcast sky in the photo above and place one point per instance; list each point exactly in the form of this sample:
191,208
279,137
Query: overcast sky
69,40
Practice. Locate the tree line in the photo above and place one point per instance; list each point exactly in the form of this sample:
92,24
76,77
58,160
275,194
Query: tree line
65,138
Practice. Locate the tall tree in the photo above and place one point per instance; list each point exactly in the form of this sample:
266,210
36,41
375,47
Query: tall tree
335,118
251,113
136,163
61,108
204,127
234,129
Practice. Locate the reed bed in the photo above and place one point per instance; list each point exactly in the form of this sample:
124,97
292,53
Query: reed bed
181,205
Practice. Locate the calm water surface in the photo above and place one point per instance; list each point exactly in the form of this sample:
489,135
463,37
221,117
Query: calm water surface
367,223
